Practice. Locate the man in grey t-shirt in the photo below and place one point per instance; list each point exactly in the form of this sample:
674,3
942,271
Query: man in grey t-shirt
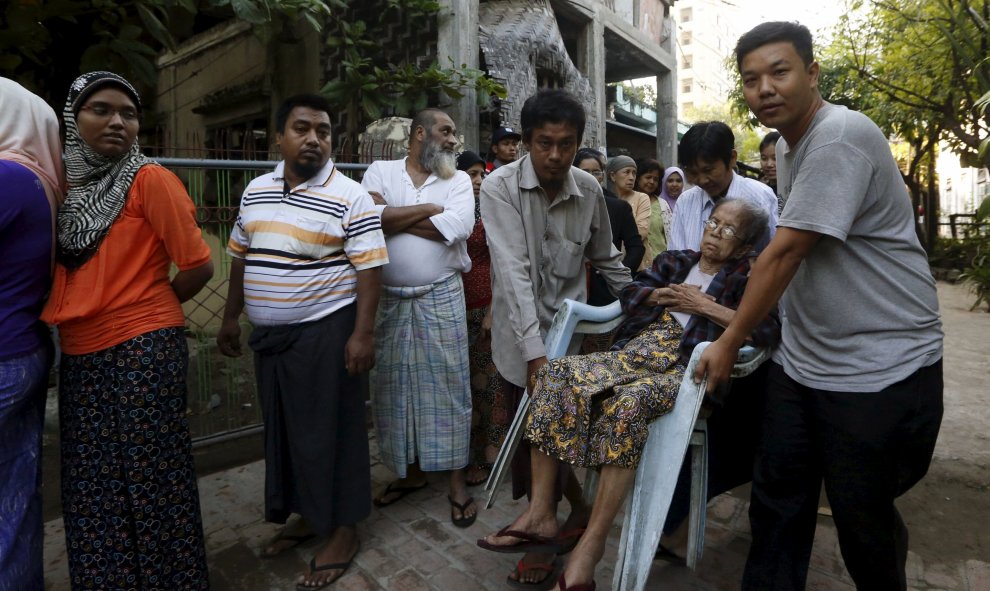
855,391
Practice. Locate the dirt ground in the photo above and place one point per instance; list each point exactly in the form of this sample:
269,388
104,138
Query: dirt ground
948,513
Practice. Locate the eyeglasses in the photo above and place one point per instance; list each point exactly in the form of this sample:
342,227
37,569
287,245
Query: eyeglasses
127,114
598,174
727,232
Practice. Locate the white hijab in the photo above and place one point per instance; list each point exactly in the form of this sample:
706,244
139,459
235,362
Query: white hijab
29,136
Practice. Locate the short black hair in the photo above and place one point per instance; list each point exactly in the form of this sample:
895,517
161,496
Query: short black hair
589,154
769,139
313,101
796,34
552,106
645,165
708,140
426,119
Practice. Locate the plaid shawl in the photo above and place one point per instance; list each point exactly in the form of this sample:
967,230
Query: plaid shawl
673,267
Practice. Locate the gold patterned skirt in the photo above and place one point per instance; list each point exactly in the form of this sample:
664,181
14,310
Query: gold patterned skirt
596,409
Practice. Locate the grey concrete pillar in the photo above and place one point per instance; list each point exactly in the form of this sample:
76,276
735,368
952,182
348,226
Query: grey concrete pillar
457,40
667,104
591,62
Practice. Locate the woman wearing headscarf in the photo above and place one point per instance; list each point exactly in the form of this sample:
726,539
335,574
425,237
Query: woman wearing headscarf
621,174
30,190
672,186
490,409
129,497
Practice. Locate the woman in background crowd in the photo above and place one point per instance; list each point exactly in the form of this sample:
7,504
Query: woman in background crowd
649,173
672,186
625,234
129,497
30,190
622,181
768,164
489,409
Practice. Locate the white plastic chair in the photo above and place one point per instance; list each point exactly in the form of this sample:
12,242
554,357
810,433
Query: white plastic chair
669,438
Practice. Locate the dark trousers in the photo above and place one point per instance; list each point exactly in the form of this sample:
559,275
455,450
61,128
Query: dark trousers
869,448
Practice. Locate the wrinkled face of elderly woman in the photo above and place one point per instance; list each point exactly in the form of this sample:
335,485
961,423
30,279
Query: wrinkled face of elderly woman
724,238
108,122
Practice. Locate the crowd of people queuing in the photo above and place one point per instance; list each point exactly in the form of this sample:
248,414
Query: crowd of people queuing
433,282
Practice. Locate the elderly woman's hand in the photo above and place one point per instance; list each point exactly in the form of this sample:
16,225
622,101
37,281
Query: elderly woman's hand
681,298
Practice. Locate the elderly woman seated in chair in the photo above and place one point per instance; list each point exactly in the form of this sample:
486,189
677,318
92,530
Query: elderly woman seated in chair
595,410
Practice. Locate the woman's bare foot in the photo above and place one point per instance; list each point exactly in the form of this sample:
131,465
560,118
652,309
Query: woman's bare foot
529,522
580,567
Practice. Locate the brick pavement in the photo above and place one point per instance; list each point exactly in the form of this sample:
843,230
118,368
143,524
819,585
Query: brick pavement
412,546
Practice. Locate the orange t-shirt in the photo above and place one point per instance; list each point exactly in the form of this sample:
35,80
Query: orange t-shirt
124,289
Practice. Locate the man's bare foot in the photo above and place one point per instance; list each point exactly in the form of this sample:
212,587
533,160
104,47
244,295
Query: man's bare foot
294,533
332,560
463,509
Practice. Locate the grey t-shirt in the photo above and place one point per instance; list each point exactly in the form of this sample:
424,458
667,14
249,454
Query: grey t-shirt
861,313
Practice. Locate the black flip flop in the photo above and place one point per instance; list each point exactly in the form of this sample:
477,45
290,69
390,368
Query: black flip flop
462,521
553,570
313,568
402,491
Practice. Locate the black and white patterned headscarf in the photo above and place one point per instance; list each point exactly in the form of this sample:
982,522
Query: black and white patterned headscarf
98,185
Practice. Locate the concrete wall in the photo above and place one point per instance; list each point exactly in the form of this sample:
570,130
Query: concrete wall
225,56
226,75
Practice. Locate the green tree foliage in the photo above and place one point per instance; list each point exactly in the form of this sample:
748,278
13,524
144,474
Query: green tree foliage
926,61
918,68
375,80
45,44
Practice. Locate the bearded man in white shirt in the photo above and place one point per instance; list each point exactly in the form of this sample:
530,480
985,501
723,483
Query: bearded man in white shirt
421,385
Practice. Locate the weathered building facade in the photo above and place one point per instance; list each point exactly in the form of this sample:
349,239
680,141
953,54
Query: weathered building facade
218,90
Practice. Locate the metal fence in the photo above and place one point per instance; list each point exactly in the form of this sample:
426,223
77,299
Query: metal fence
222,400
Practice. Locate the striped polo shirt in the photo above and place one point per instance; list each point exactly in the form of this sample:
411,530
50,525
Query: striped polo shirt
302,248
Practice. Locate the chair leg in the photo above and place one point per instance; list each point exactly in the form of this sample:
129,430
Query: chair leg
699,487
504,459
590,486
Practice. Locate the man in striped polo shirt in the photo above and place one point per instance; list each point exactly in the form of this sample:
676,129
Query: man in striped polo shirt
421,386
306,255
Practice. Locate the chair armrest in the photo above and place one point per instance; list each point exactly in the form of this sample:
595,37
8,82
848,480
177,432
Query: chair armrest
566,319
749,359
